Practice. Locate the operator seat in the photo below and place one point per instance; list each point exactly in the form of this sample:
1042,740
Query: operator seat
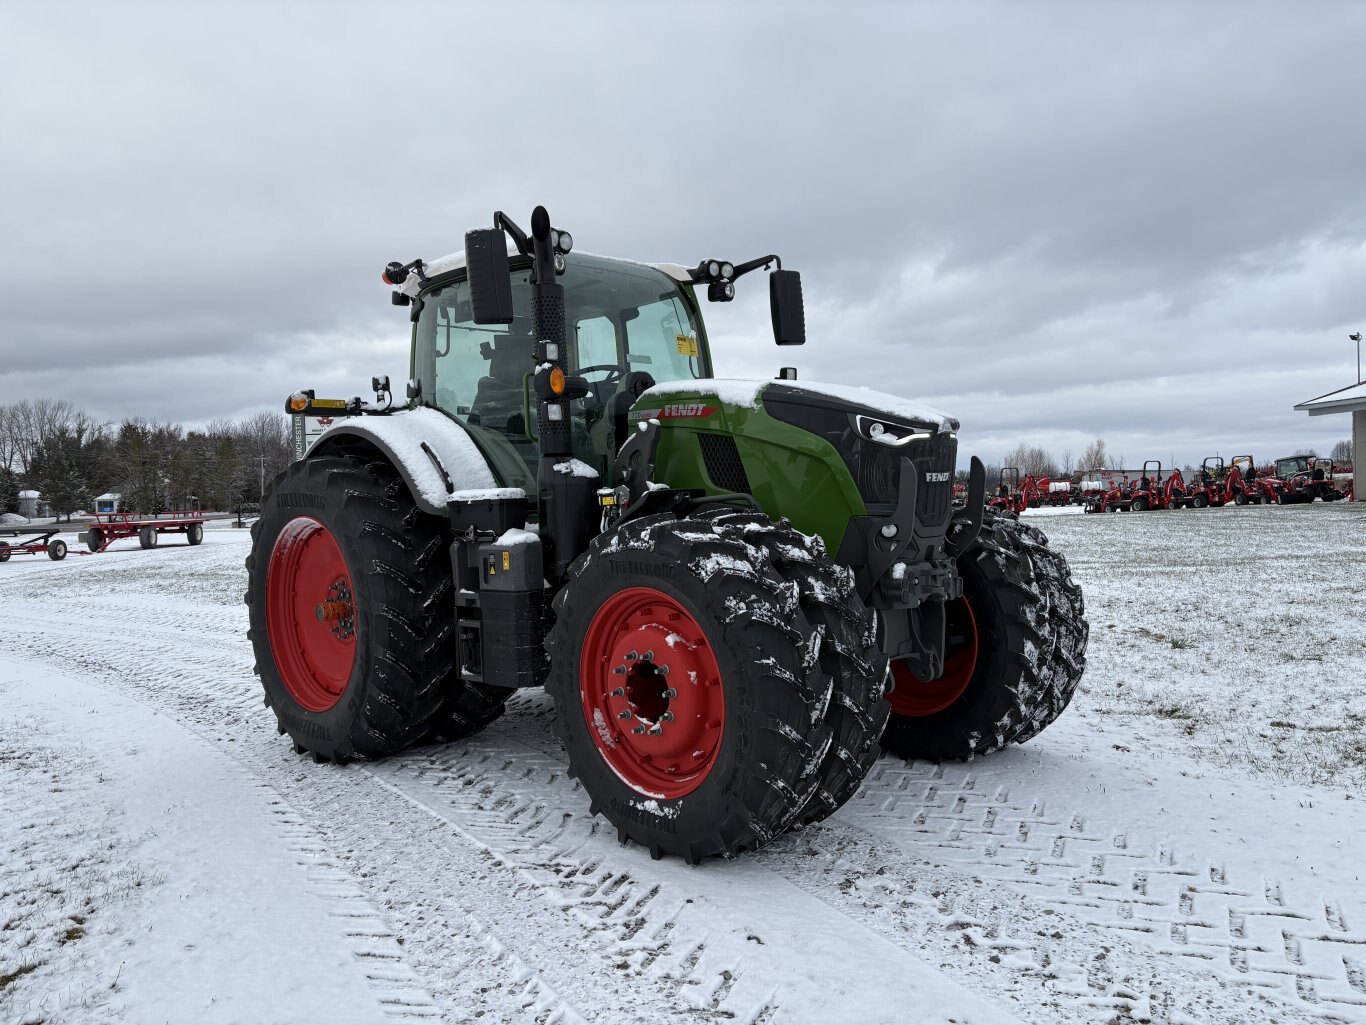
498,398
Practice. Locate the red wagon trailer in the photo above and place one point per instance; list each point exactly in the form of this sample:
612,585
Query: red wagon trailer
32,542
111,527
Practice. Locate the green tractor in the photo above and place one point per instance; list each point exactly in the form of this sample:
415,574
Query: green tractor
735,592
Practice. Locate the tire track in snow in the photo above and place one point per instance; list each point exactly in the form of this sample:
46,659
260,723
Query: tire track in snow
1243,929
1011,944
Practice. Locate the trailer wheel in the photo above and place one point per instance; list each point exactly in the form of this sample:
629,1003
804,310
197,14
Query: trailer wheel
688,686
857,713
194,533
4,551
56,549
1015,658
147,537
351,608
94,539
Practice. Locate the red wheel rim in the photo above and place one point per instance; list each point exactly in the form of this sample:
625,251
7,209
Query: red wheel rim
911,697
311,614
651,691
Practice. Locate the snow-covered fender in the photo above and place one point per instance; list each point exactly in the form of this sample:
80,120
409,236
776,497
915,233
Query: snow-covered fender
431,451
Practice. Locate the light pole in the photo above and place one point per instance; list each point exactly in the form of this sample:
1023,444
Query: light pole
1356,337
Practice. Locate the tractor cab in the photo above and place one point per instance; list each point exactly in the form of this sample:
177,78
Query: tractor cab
1291,465
627,326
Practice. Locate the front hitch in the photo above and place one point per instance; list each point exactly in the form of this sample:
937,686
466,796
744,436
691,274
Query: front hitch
964,529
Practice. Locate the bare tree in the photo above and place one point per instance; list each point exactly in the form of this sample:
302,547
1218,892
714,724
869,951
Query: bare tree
1068,463
1031,459
1342,451
1094,456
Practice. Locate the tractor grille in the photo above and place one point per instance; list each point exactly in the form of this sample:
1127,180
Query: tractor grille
877,473
722,461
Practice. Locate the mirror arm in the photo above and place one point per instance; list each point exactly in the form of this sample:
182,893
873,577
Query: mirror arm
763,261
502,220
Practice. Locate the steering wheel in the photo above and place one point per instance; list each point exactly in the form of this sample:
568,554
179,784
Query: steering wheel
614,372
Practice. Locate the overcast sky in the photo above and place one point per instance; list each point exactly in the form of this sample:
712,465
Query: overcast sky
1055,221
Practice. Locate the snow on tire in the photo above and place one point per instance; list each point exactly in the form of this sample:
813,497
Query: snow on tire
857,713
1030,634
352,608
689,690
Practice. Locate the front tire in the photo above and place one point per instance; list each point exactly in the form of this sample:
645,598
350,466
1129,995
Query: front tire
1019,654
688,686
352,609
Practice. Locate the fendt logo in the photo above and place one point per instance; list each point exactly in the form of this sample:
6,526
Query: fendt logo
937,478
678,410
674,411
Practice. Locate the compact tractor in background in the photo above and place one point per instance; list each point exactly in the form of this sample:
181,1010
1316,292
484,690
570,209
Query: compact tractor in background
1150,489
733,591
1302,479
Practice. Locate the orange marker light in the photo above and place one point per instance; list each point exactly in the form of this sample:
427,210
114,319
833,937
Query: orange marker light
557,380
298,403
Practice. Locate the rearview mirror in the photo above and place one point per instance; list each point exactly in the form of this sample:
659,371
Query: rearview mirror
486,264
785,303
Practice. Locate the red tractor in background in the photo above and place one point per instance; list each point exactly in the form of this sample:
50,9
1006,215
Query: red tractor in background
1301,479
1012,493
1247,485
1151,490
1214,485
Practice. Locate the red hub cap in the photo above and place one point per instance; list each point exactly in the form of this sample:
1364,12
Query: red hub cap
911,697
311,614
652,693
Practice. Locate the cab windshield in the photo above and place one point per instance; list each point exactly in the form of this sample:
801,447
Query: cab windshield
1289,467
626,325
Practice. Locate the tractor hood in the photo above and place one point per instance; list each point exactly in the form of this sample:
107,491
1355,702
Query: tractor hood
658,402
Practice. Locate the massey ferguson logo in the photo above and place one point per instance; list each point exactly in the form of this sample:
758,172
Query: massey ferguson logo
937,478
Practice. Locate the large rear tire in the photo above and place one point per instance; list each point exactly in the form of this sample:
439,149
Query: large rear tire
352,610
1019,653
689,688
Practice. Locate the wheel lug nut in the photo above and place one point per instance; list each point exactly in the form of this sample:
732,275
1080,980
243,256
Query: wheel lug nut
655,731
637,729
649,656
620,692
619,670
667,717
671,693
624,714
631,656
662,668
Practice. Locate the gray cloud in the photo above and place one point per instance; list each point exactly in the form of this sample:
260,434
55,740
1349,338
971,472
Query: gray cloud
1144,222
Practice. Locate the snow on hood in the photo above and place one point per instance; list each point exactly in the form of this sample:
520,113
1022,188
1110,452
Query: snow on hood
746,394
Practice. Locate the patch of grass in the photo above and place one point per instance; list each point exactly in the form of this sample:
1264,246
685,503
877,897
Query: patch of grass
1179,642
7,977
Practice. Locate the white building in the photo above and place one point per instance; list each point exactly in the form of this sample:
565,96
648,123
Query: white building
30,504
108,503
1351,399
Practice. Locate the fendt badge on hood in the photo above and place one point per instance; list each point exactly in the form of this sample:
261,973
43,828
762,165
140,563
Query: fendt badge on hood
937,478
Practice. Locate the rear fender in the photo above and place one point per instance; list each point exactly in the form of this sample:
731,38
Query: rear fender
433,453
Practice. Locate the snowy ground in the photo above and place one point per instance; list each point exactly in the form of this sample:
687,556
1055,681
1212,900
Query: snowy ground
1185,845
